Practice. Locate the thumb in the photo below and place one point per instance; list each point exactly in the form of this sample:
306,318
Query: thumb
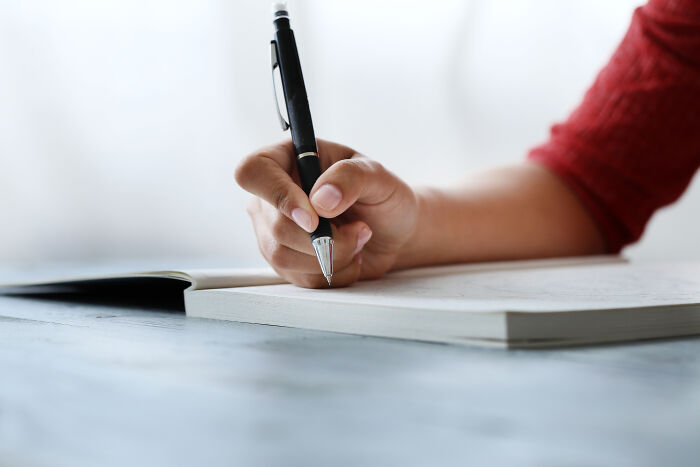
349,181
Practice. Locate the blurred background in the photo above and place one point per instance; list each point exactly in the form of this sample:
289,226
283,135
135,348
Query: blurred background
121,121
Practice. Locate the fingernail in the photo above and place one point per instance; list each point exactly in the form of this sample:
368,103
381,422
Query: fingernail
327,197
362,239
302,218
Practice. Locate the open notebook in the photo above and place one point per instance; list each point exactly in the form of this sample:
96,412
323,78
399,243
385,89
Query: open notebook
510,304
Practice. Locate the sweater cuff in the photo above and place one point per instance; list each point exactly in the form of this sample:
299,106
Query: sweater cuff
614,234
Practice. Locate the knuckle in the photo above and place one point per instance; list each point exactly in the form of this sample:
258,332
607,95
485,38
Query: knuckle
359,167
280,198
279,227
266,245
243,170
370,167
279,256
373,166
349,167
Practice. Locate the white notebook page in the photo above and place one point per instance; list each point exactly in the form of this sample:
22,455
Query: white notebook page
539,289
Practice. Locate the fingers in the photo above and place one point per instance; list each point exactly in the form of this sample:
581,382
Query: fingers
330,153
348,181
266,174
342,278
283,223
288,248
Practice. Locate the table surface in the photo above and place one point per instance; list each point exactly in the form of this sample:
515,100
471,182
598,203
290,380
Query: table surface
84,385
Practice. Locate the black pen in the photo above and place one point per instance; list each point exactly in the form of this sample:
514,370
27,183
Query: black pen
285,58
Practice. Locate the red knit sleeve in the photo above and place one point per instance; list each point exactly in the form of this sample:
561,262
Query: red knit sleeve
633,144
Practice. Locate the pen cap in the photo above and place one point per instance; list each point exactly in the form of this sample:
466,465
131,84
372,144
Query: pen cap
278,6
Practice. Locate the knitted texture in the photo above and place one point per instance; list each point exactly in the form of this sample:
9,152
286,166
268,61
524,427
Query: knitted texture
633,144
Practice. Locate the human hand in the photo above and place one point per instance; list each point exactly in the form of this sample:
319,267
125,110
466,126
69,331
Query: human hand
373,213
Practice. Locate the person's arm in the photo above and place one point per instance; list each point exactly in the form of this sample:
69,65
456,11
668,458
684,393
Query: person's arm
517,212
380,223
633,143
631,147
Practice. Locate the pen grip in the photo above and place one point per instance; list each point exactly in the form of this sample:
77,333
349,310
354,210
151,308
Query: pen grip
309,171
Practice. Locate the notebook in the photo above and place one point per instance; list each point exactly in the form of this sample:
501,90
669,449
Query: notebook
520,304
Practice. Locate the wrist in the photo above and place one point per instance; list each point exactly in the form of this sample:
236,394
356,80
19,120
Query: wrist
420,246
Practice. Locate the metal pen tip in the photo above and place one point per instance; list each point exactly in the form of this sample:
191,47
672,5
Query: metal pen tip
323,246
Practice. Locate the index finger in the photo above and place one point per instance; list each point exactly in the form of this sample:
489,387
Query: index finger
267,174
328,152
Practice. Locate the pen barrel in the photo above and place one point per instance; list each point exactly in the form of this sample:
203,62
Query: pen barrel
323,229
298,110
301,125
309,171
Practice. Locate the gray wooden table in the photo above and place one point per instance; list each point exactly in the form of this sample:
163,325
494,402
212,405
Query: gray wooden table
92,385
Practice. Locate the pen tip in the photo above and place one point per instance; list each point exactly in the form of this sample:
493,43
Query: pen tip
324,252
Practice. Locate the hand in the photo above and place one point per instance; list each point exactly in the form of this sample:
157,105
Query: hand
373,213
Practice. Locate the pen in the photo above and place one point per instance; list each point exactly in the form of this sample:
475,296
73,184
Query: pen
285,58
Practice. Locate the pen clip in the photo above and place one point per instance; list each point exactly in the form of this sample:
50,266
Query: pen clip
275,66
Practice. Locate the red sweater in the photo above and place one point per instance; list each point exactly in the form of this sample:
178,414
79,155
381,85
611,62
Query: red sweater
633,144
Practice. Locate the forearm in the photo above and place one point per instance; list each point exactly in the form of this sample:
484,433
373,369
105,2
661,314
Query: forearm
517,212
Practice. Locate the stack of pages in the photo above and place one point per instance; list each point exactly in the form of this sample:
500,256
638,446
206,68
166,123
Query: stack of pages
509,304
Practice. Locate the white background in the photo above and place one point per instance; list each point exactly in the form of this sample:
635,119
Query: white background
121,122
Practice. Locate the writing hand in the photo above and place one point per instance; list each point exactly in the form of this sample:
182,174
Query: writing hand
372,211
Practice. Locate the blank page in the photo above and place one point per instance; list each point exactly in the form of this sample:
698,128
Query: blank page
539,289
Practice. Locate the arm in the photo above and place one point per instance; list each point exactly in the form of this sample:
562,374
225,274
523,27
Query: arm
631,147
517,212
380,223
